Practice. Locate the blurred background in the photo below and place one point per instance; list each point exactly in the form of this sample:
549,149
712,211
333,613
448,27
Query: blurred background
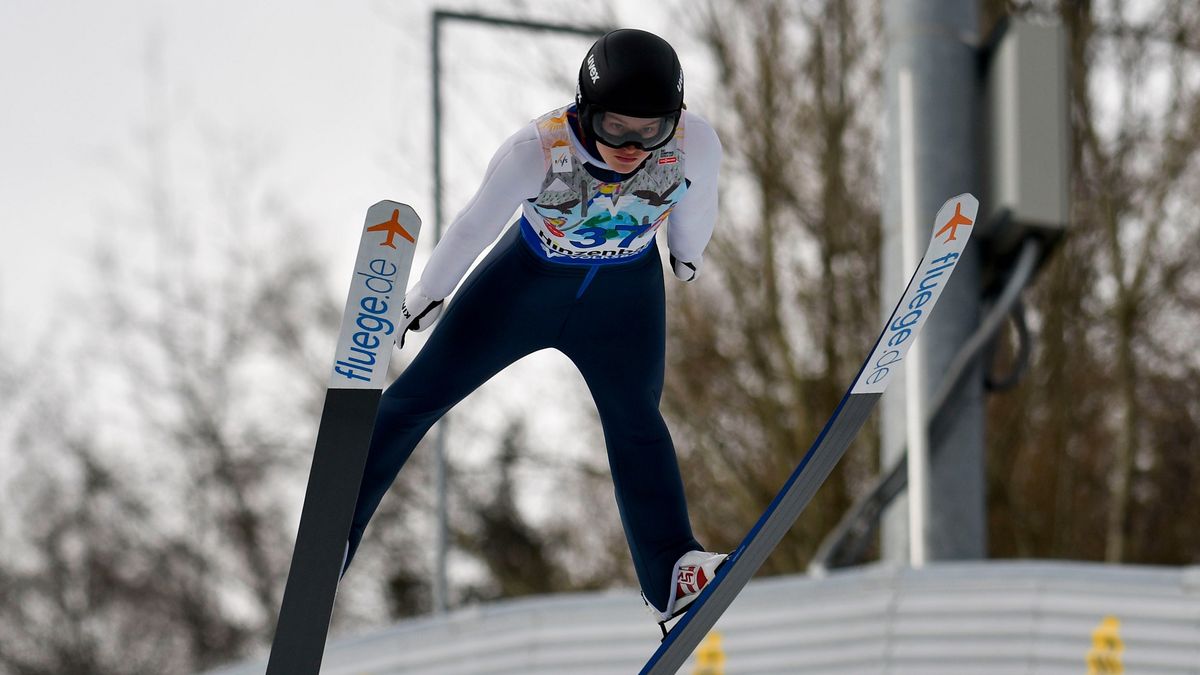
181,187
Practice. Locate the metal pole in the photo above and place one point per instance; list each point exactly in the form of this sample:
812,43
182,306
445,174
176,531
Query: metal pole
932,89
441,545
440,582
572,29
914,391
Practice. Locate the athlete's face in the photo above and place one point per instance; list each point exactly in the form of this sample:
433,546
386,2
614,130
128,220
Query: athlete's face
627,158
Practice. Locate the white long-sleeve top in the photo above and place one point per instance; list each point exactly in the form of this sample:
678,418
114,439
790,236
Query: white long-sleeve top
514,177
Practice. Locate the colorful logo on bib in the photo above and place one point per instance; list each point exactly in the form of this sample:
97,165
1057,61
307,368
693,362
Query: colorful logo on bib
600,228
554,225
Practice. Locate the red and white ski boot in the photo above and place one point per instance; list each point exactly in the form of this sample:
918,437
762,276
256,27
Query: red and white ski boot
692,573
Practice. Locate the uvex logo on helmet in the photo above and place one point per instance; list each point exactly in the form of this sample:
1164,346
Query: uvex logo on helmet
595,74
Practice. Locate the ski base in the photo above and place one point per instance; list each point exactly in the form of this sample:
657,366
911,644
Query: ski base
337,468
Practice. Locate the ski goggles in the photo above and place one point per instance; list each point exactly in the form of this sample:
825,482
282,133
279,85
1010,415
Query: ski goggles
646,133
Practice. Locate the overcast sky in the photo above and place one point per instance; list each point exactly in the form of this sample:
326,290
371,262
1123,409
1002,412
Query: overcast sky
310,78
339,94
338,90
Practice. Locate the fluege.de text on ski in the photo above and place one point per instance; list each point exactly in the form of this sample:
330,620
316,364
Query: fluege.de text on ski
372,321
901,329
946,246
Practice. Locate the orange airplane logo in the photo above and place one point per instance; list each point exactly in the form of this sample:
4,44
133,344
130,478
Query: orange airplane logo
954,222
393,228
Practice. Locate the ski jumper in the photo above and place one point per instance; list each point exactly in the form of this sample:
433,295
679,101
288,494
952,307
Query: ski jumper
578,272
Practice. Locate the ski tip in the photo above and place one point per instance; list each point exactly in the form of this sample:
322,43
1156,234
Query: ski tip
395,220
407,213
951,231
955,220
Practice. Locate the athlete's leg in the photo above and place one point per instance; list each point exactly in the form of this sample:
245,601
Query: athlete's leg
492,321
616,338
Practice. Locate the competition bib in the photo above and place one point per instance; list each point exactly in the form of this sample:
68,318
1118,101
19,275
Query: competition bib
578,218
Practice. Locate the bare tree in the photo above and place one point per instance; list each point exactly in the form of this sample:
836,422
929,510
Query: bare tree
155,486
74,605
1077,466
762,346
1080,463
169,517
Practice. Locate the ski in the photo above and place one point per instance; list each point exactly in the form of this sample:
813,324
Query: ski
952,230
368,331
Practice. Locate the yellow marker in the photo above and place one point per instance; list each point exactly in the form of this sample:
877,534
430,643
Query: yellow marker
1104,658
710,657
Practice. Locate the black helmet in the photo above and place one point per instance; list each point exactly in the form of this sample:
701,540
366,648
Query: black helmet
633,74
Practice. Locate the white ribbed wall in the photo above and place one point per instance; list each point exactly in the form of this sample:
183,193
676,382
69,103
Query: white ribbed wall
960,618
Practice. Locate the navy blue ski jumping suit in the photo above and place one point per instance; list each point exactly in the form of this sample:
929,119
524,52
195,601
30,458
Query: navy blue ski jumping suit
606,314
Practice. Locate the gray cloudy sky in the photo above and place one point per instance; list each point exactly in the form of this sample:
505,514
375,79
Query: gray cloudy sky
338,91
311,79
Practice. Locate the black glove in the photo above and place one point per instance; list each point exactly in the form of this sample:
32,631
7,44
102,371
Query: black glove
418,311
686,271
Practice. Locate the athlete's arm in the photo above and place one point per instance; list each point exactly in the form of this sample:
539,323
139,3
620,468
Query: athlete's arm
691,223
514,175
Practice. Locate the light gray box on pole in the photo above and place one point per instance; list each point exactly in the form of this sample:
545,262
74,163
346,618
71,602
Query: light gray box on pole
1028,134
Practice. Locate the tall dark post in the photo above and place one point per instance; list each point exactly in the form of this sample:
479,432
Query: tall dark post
933,109
441,546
